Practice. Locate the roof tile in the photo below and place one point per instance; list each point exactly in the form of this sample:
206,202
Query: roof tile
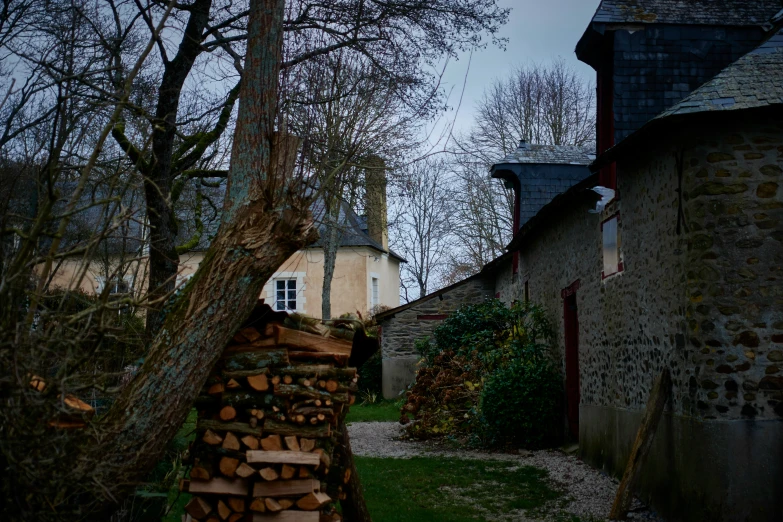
528,153
688,12
755,80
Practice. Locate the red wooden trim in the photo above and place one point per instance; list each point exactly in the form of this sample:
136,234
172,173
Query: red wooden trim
516,225
615,215
571,289
432,317
607,177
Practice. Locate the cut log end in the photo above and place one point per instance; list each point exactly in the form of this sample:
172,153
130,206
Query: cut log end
231,442
228,413
272,505
198,508
258,382
313,501
228,466
212,438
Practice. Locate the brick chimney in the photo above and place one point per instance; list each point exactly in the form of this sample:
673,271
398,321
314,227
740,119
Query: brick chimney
375,200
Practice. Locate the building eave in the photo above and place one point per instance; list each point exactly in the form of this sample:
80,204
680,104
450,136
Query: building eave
573,195
485,271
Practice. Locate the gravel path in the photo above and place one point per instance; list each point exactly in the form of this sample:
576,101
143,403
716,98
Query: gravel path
590,491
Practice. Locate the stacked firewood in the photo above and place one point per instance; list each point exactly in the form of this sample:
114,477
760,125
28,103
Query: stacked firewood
267,419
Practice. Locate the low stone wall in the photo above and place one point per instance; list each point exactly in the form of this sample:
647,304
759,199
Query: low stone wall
401,329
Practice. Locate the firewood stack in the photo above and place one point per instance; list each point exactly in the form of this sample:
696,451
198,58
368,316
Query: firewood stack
266,424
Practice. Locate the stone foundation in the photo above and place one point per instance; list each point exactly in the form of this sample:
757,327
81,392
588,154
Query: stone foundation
696,470
398,373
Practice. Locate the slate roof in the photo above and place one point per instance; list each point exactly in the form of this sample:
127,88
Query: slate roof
129,236
755,80
688,12
354,230
528,153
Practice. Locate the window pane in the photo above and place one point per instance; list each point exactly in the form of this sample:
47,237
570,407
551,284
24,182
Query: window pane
281,295
292,294
611,254
280,284
292,305
280,305
292,284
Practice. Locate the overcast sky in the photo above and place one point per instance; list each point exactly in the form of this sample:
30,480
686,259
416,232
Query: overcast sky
537,31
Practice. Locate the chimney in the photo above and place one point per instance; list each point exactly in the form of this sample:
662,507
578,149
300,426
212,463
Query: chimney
375,200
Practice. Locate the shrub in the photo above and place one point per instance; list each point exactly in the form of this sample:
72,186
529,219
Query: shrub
481,344
519,404
370,374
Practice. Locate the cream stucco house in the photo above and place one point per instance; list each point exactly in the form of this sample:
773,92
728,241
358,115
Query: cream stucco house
366,276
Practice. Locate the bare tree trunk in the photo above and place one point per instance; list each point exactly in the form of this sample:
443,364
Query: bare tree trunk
331,243
259,231
158,181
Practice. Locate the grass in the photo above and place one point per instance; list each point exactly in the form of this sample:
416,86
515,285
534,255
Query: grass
453,490
177,500
380,411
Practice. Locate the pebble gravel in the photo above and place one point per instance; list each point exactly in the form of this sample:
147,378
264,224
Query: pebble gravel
590,492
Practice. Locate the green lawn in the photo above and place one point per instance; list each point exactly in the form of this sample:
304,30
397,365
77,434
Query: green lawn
381,411
453,490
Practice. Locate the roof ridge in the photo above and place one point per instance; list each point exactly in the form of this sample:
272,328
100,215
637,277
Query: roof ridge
746,83
691,12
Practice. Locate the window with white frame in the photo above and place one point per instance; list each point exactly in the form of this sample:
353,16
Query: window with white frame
376,294
117,284
285,294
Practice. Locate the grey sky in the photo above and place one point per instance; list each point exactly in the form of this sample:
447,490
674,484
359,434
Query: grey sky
537,31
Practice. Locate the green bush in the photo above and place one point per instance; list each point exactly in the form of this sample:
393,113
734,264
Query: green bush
520,404
370,374
488,378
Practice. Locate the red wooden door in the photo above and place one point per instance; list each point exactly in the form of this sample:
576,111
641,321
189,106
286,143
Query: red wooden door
572,363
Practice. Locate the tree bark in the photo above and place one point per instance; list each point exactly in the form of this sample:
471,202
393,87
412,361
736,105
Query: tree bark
158,181
354,507
260,229
331,243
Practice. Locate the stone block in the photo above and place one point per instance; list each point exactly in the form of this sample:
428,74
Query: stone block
397,373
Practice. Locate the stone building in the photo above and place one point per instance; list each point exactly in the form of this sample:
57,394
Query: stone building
683,268
401,327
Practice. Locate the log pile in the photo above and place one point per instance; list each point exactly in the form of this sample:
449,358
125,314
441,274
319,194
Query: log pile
75,413
267,419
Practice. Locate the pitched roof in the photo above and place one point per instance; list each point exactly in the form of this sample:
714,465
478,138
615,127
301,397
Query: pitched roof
353,231
487,270
688,12
755,80
528,153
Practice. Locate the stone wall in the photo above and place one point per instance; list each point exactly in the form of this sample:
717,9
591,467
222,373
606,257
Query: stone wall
700,293
402,328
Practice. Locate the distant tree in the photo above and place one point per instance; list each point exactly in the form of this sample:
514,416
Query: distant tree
482,218
349,113
422,224
541,104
